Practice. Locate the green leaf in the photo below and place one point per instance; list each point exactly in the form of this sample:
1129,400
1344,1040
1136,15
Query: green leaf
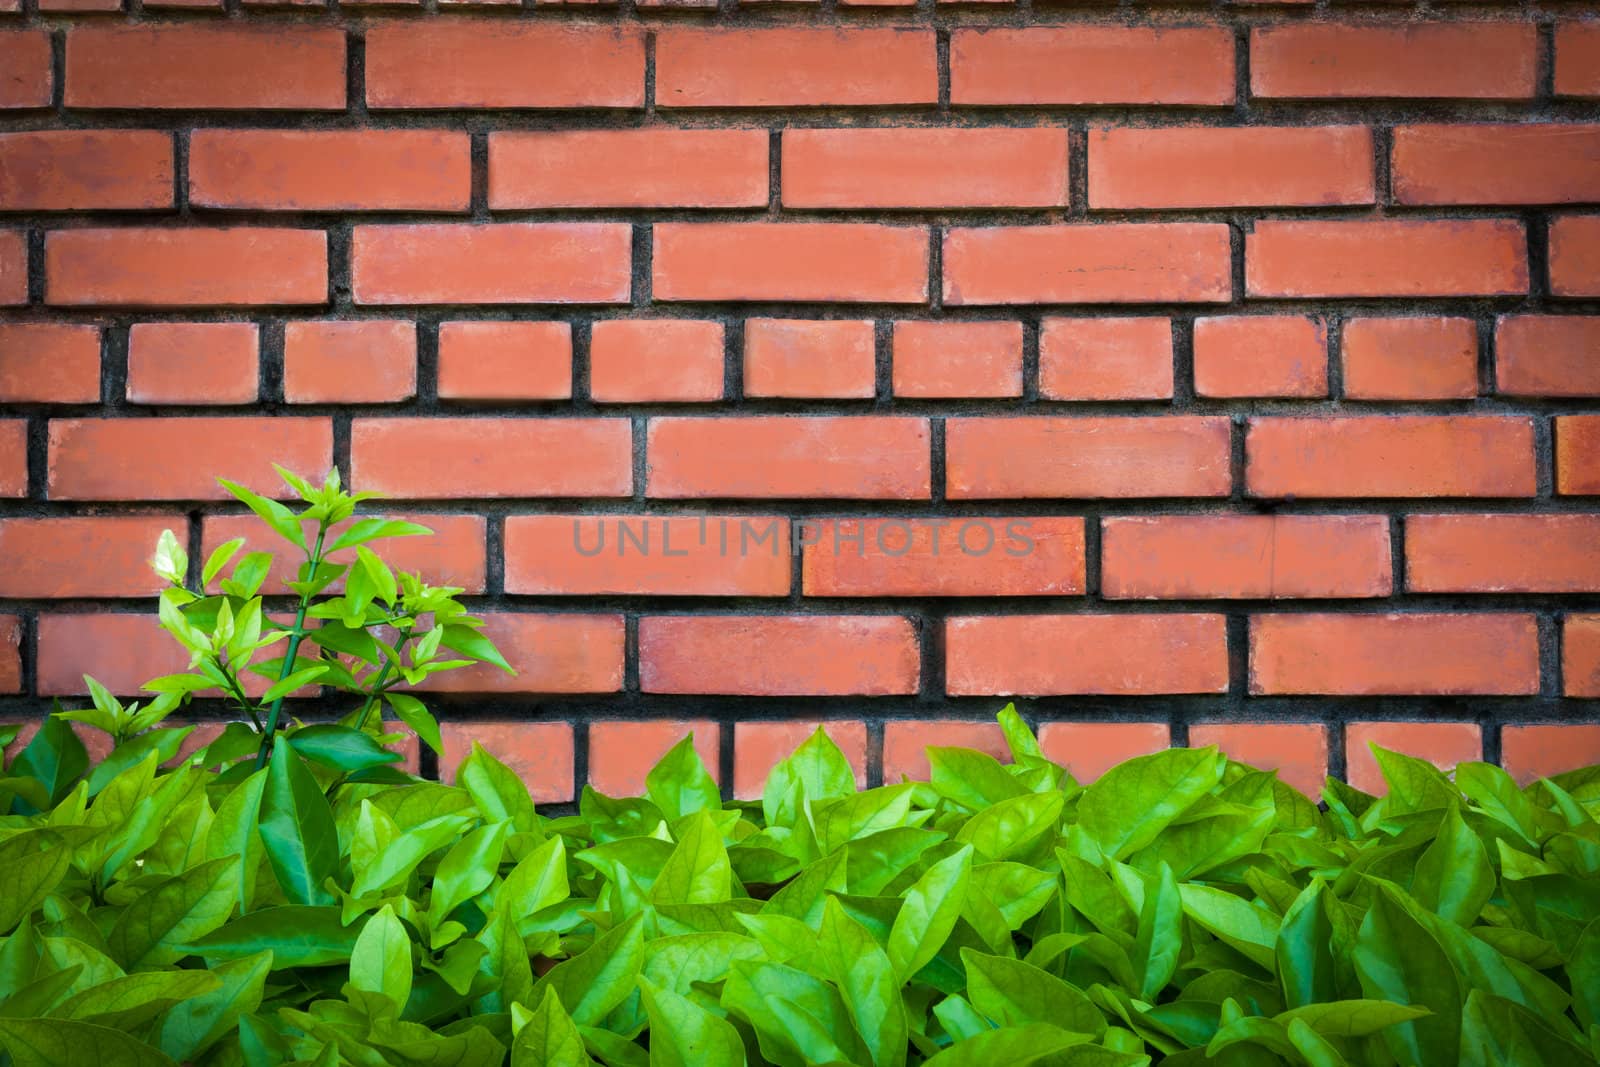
285,686
466,870
219,559
1250,929
296,935
683,1034
1400,961
68,1043
471,643
537,881
547,1037
55,757
496,789
176,912
1454,878
274,514
1304,949
867,982
680,784
380,962
597,980
929,913
1583,971
200,1022
170,562
1020,1046
411,711
32,864
1130,804
1496,1032
1160,939
1352,1018
378,573
1414,784
128,1003
1014,993
297,829
697,871
363,531
340,747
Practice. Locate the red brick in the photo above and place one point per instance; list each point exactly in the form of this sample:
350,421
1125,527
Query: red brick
1465,60
1503,553
193,363
449,458
760,746
628,168
49,363
460,63
957,359
1084,64
10,654
1410,358
1118,655
621,753
778,655
1444,744
1073,457
13,457
1260,355
944,556
504,263
368,361
819,457
1575,255
790,261
1578,455
1530,752
1525,163
331,170
505,361
1098,263
1580,656
1249,557
121,652
85,170
1393,655
13,268
1577,59
1390,456
820,358
61,558
1105,359
1547,355
1253,166
156,457
906,744
539,752
236,267
1089,749
795,67
1298,751
1390,257
640,360
189,66
924,168
551,654
647,555
26,81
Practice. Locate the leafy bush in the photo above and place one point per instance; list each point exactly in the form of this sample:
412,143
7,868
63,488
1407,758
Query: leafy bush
325,909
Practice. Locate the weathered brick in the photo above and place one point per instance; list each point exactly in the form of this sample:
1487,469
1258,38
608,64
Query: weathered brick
121,652
149,267
906,744
1260,355
1580,655
10,654
1547,355
1089,749
795,67
822,457
49,363
1525,163
1575,255
433,458
1391,257
1102,263
1503,553
551,653
1200,166
778,655
505,263
156,456
1577,59
957,359
1105,359
1118,655
790,261
621,753
1298,751
85,170
25,77
1530,752
1413,358
103,556
540,753
806,358
367,361
291,67
193,363
943,556
1465,60
647,555
13,268
1165,456
924,168
331,170
13,457
1084,64
642,360
628,168
505,361
1578,455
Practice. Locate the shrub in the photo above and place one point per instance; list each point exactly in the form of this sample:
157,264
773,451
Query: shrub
288,896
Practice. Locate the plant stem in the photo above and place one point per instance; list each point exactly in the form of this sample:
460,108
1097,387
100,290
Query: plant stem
295,636
377,685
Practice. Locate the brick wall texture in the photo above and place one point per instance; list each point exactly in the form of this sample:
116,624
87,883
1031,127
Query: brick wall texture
1208,373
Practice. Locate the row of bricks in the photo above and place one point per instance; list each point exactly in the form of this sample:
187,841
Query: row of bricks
1157,557
887,167
862,262
683,360
1343,654
847,457
458,63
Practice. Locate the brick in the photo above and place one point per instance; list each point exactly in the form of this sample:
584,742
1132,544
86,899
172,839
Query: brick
1578,455
809,358
957,359
1503,553
906,744
760,746
104,556
1084,64
121,652
1089,749
97,744
571,654
25,61
778,655
1298,751
1444,744
13,268
628,168
1245,557
1547,355
460,63
924,168
368,361
621,753
790,261
1098,263
1580,656
1448,60
505,361
795,67
1252,166
193,363
1575,255
1260,355
1394,655
1393,257
49,363
156,457
331,170
944,556
1390,456
85,170
13,457
647,555
1422,358
541,753
1525,163
1577,59
641,360
295,67
1087,458
432,458
10,654
140,267
1118,655
817,457
1105,359
1531,752
503,263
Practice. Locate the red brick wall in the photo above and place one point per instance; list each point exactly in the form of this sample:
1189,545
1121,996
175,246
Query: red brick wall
1273,326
